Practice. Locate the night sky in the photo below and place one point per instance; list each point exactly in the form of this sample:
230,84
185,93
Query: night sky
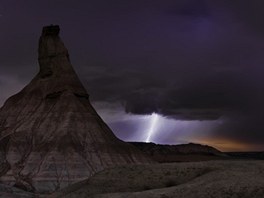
165,71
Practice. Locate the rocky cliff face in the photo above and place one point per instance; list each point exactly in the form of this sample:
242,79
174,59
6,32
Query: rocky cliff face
50,135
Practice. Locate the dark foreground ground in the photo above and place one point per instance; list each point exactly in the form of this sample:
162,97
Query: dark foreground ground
194,171
210,179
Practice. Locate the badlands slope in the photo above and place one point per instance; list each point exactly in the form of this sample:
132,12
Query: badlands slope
211,179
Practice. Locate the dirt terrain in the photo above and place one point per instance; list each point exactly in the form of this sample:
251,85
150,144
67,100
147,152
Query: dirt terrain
212,179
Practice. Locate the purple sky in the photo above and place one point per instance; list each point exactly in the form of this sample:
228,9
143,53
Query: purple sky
197,63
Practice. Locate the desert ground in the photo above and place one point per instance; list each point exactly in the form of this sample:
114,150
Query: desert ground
208,179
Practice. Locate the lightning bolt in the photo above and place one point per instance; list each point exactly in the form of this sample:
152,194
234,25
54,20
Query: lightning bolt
153,124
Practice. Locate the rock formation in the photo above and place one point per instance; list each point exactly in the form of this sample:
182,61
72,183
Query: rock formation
50,135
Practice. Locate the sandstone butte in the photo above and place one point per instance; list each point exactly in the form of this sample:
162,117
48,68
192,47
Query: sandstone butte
50,135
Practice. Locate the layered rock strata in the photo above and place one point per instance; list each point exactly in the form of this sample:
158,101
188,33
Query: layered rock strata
50,135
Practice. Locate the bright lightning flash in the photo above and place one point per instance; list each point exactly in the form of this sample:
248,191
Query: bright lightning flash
153,124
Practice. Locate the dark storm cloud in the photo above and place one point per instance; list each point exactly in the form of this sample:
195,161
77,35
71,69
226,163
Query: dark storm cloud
208,98
189,60
190,8
249,12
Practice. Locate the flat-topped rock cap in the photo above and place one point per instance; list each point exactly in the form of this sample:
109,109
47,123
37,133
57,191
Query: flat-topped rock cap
51,30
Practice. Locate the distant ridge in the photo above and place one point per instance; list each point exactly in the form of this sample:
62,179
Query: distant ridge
247,155
179,153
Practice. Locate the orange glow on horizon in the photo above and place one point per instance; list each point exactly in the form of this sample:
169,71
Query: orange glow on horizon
230,145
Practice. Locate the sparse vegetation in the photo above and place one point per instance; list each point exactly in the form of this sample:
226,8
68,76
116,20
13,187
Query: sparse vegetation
170,183
145,187
168,173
